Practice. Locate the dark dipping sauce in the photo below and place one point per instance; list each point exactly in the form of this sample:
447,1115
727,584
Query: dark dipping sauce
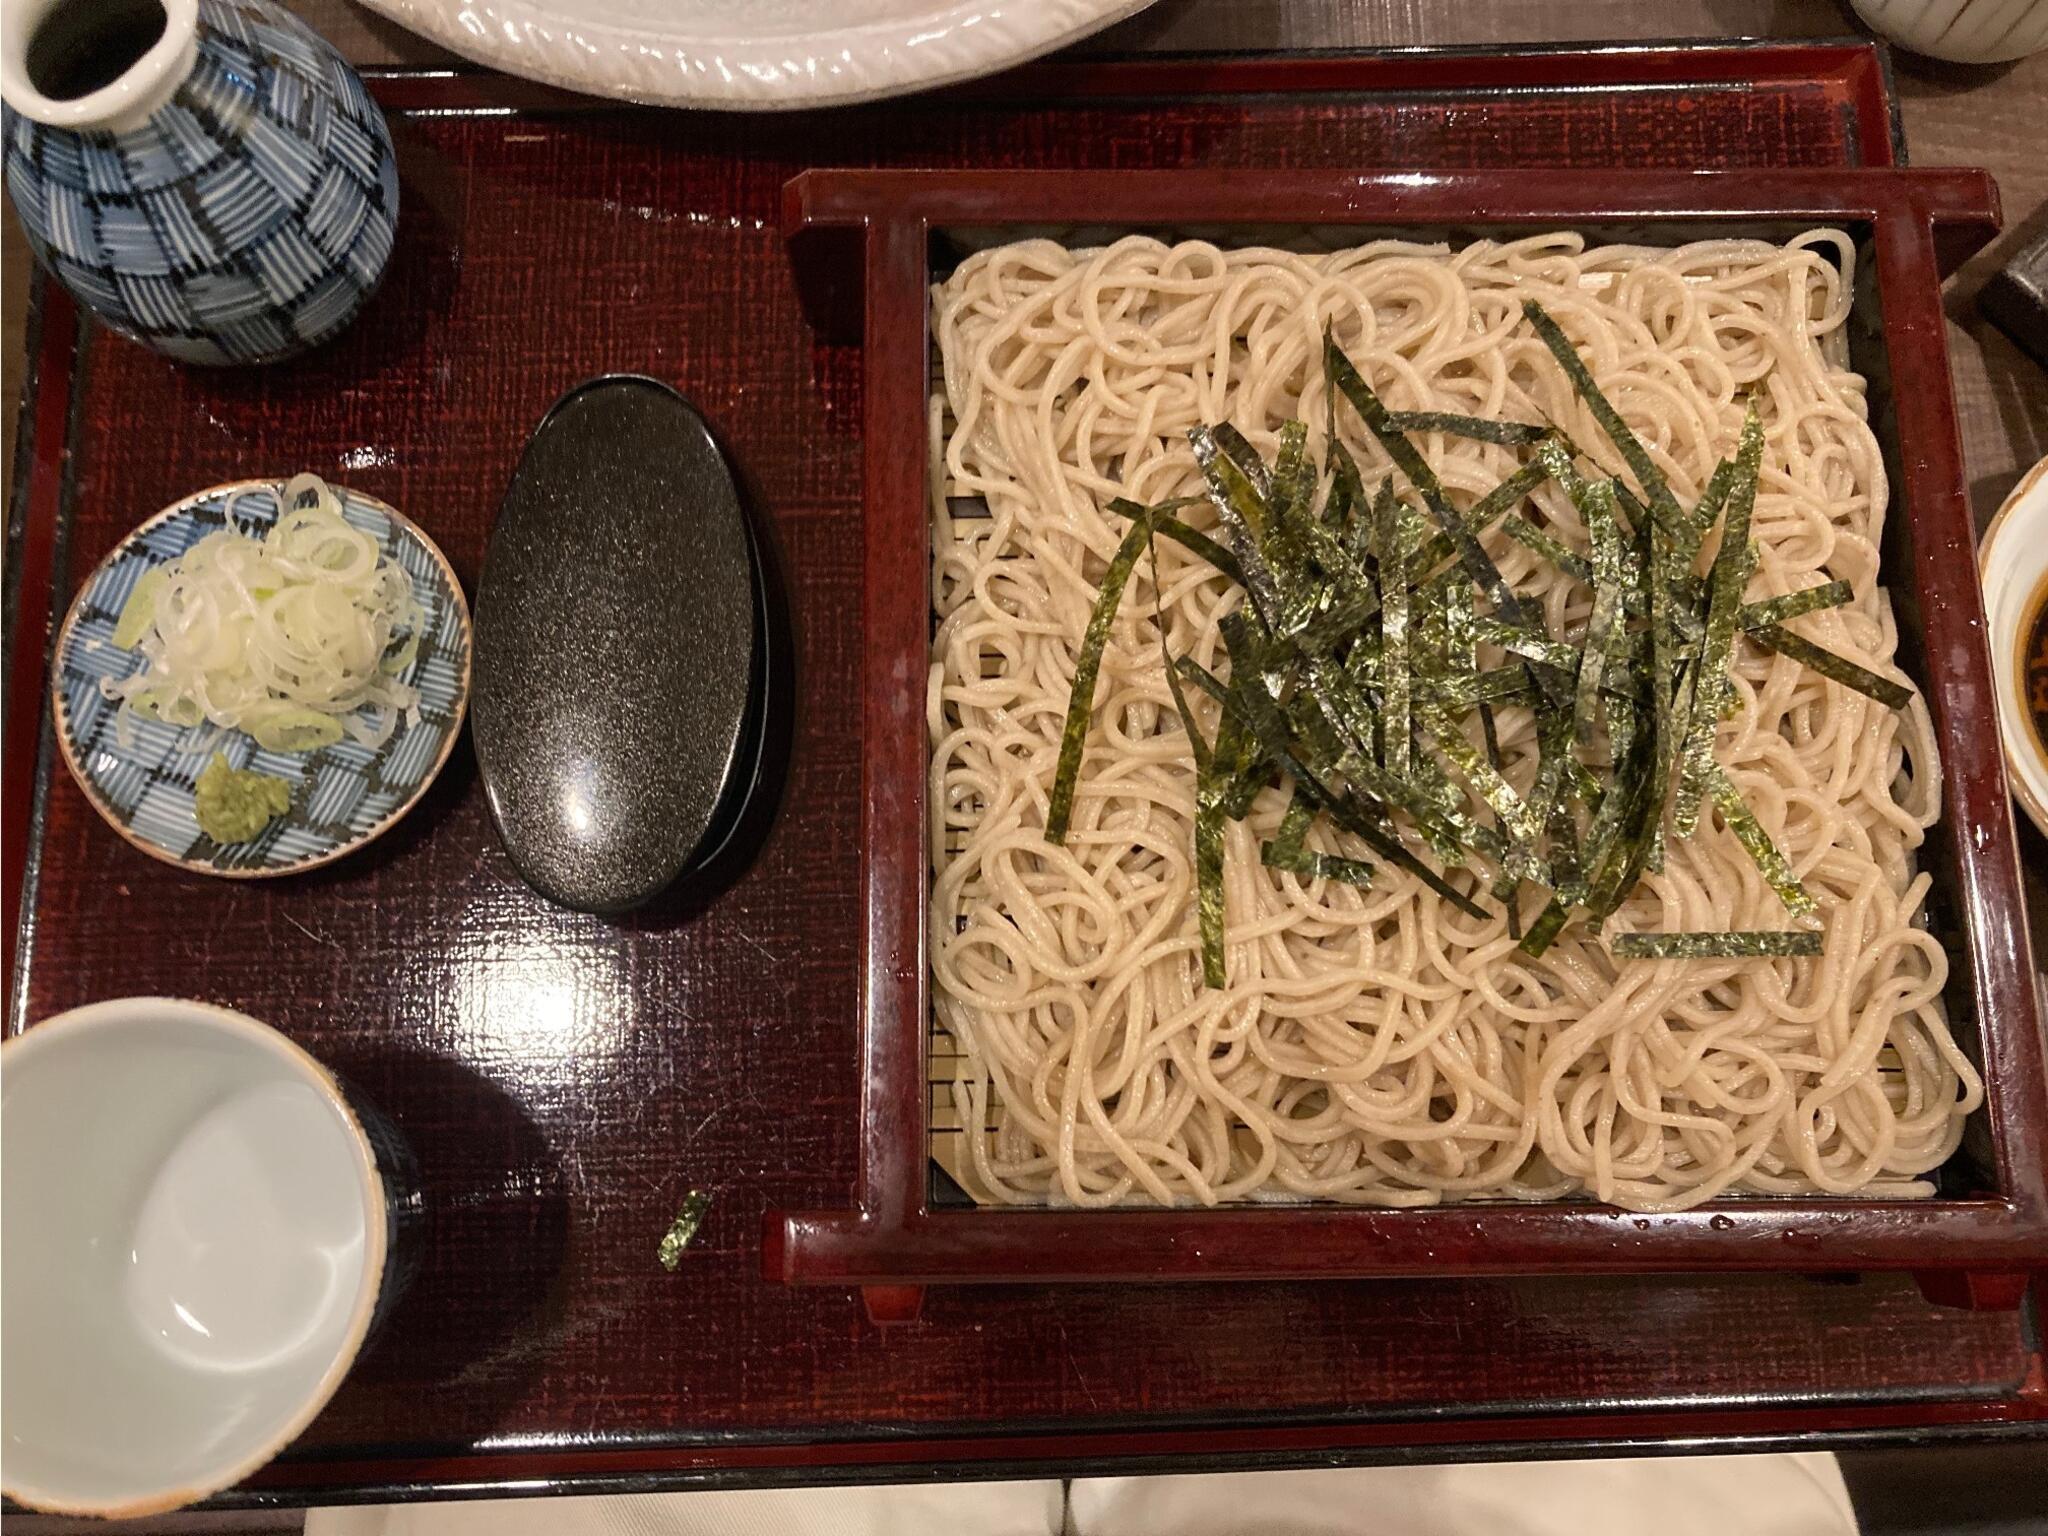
86,45
2034,662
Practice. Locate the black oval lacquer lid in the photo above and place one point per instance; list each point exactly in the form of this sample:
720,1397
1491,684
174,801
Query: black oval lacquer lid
616,647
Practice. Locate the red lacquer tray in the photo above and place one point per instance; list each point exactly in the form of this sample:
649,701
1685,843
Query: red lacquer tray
863,243
563,1080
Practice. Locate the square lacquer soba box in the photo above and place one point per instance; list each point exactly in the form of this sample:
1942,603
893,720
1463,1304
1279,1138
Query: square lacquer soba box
868,249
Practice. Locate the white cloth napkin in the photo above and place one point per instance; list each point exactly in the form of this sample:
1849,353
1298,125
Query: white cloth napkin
940,1509
1789,1495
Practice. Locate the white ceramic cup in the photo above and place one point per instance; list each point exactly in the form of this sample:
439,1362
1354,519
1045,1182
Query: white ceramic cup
1961,31
193,1234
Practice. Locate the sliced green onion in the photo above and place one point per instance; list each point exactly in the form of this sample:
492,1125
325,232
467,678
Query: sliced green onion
138,614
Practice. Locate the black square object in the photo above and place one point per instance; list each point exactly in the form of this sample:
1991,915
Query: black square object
2016,300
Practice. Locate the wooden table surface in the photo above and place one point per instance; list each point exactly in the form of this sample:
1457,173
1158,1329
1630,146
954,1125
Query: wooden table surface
1991,118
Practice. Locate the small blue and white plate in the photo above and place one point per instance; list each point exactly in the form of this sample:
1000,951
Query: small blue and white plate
344,795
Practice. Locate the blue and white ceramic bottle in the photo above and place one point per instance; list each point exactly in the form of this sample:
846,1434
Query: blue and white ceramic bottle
208,177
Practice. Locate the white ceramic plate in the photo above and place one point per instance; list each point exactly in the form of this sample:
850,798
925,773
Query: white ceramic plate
2013,560
141,778
755,55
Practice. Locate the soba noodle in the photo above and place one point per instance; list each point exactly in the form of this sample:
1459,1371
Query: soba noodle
1378,1046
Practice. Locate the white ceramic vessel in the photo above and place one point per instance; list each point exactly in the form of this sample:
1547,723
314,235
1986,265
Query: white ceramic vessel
193,1234
2013,560
207,177
1961,31
759,56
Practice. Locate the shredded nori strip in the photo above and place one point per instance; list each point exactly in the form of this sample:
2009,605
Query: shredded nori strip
1293,475
1834,667
1347,486
1521,825
1663,505
1757,843
1531,645
696,1205
1343,809
1353,667
1123,506
1713,499
1344,705
1460,633
1335,604
1426,795
1557,774
1490,734
1496,685
1713,946
1566,876
1624,836
1341,620
1794,605
1526,533
1244,456
1635,598
1242,507
1461,662
1392,522
1635,512
1188,538
1211,790
1730,576
1604,526
1295,541
1310,865
1081,702
1670,698
1478,565
1544,931
1294,825
1582,782
1451,832
1482,515
1508,434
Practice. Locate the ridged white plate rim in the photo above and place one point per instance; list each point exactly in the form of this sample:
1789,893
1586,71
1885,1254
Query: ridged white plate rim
570,43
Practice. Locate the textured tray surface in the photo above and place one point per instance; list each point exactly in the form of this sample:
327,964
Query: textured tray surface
565,1079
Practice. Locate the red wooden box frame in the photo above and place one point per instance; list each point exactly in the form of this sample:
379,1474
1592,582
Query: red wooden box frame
861,242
